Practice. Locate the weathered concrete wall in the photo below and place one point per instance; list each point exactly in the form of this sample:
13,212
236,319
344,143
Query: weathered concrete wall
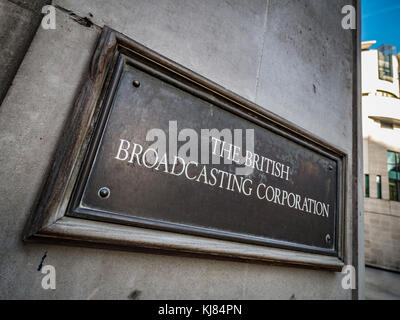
19,20
291,57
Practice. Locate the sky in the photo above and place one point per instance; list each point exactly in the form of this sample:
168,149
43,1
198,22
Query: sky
381,22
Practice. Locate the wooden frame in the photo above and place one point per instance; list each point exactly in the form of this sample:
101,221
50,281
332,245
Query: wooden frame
50,222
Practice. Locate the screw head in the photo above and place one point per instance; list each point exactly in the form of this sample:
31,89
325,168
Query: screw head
136,83
328,239
330,167
104,193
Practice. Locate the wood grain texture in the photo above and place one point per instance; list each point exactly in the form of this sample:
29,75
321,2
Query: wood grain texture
128,236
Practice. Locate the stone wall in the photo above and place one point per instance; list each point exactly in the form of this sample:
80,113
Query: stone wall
290,57
19,20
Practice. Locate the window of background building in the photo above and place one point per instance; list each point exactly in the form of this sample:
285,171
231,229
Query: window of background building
385,61
394,175
384,94
379,187
367,185
386,125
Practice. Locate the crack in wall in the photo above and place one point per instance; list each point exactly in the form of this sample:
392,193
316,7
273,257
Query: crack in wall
262,51
85,21
41,262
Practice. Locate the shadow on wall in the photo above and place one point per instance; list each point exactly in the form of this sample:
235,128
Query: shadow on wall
20,20
381,285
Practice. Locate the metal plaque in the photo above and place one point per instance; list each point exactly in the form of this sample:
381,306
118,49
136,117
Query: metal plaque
166,156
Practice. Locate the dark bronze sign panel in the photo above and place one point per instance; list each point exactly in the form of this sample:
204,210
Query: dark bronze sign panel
277,190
